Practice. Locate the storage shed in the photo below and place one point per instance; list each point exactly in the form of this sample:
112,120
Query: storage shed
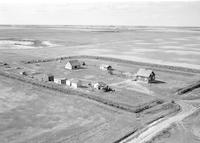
44,77
60,80
75,83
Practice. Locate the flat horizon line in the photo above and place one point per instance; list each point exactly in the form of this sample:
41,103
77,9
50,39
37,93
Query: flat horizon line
71,25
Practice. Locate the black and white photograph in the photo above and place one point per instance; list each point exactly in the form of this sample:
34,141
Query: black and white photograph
99,71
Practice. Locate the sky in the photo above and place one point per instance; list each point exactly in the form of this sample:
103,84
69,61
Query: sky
101,12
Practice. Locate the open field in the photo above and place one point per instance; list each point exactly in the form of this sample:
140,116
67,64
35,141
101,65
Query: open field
35,111
48,116
183,132
32,114
166,84
156,46
21,104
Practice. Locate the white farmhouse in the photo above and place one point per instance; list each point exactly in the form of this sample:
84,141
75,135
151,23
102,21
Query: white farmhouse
73,64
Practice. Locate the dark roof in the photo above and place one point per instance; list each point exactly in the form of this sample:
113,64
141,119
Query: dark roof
60,78
74,62
106,66
144,72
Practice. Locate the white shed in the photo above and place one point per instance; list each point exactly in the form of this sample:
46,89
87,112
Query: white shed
60,80
75,83
68,82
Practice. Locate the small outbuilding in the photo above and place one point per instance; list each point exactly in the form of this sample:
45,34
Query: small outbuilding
49,77
105,67
102,86
44,77
60,80
23,73
83,63
75,83
145,75
68,82
73,64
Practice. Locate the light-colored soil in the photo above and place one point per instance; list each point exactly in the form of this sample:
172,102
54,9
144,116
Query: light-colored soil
140,45
32,114
123,94
156,127
186,131
192,95
133,85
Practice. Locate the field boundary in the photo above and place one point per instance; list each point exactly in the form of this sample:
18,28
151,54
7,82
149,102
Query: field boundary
188,88
55,87
123,61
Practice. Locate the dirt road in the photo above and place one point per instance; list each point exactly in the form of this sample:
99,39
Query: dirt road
155,128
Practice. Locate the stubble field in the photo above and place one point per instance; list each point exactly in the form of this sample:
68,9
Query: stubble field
33,114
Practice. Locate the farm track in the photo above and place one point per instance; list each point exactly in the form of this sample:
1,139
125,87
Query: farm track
189,88
158,126
134,86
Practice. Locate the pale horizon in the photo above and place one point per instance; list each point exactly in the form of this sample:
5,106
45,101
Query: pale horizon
129,13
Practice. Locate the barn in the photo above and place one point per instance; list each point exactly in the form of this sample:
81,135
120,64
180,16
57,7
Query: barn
145,75
73,64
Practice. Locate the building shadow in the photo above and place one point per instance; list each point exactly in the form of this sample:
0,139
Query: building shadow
83,67
84,86
157,82
76,69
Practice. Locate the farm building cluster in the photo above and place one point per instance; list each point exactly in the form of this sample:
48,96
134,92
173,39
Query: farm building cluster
144,75
75,83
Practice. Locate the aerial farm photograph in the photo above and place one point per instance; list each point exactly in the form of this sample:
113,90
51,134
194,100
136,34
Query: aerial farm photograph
99,71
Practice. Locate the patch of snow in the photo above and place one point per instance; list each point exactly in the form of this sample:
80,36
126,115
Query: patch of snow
48,43
13,42
23,44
